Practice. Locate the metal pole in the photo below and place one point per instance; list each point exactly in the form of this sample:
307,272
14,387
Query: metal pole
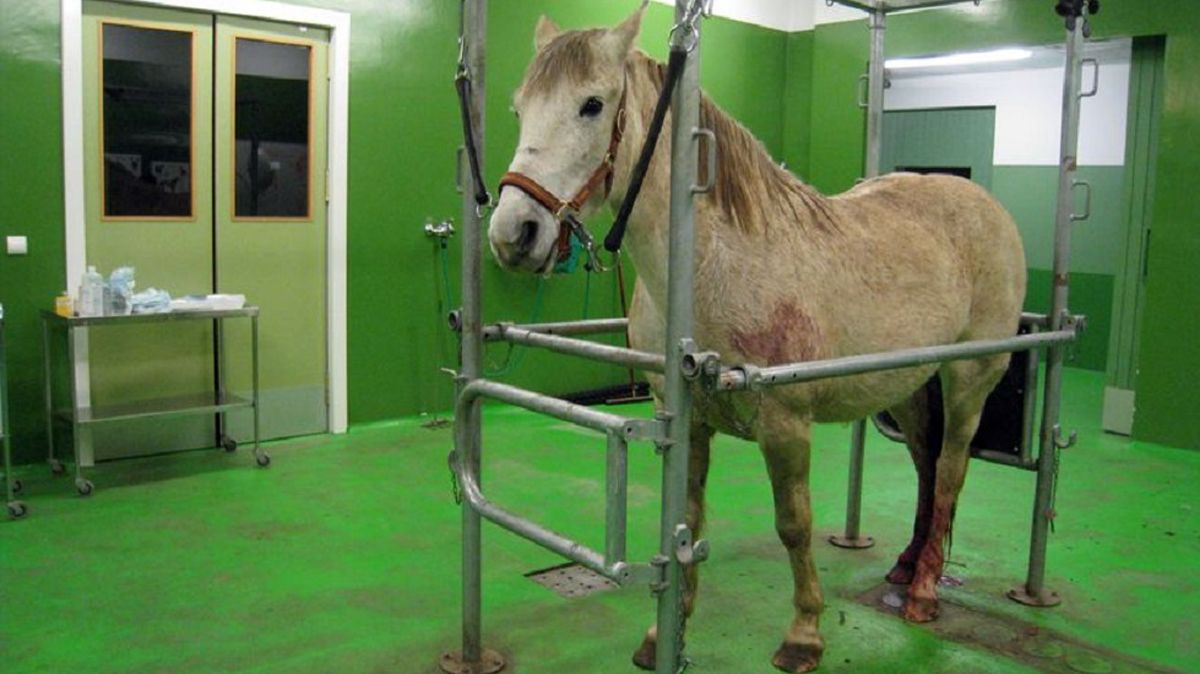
685,121
1034,592
747,376
616,471
473,658
877,23
616,355
875,81
595,326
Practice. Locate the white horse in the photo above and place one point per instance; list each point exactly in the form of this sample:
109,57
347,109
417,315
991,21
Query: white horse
783,274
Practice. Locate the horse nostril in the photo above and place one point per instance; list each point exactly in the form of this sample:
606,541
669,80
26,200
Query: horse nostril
528,234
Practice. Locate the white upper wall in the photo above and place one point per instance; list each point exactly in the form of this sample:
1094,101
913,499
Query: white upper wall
1028,106
786,15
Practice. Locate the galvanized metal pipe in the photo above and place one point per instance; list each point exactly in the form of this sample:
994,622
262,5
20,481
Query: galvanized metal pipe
616,478
1035,591
616,355
681,246
875,85
746,377
473,498
467,422
858,434
1029,407
596,326
558,408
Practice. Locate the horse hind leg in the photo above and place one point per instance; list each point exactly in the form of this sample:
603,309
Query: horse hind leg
966,385
920,419
644,656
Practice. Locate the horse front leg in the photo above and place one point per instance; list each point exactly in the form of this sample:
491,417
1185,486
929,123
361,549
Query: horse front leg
784,440
701,437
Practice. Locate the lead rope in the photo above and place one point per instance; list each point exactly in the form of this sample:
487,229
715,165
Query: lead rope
462,83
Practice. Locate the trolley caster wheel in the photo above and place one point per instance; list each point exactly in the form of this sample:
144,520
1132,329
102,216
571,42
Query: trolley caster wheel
56,467
17,487
84,487
263,459
229,444
17,509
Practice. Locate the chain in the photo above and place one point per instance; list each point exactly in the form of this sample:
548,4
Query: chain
686,34
454,486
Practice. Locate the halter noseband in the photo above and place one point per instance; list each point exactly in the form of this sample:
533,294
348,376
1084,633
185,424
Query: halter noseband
564,210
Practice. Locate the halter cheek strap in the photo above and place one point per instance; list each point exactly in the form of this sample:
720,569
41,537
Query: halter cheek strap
564,210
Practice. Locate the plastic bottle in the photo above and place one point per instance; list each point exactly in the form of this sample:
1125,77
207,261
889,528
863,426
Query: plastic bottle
91,293
63,305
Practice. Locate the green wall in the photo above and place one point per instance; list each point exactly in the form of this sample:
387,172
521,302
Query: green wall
1169,356
797,92
403,128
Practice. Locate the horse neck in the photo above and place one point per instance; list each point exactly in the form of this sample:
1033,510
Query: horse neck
649,222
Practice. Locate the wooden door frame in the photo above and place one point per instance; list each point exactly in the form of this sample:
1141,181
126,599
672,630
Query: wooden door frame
338,24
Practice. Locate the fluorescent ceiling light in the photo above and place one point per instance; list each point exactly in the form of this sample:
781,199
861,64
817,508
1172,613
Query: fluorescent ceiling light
960,59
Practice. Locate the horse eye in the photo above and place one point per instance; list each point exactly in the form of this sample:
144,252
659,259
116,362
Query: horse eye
591,107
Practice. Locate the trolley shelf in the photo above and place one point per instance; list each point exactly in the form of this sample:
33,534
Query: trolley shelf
78,414
176,406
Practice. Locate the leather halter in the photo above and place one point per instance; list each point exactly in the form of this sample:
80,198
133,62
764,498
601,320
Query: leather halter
564,209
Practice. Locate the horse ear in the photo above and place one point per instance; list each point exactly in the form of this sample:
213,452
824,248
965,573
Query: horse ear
627,32
545,32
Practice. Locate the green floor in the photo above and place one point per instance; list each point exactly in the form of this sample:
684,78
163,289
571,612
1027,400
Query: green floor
343,557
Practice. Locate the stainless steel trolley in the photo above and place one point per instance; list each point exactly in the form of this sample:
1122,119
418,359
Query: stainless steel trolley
12,486
81,415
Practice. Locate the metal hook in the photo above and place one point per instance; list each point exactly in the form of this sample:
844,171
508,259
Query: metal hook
1057,439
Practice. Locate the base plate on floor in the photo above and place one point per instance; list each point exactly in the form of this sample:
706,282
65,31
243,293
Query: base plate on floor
1047,599
859,543
490,662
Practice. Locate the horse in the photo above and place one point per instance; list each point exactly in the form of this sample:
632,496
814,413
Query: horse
783,274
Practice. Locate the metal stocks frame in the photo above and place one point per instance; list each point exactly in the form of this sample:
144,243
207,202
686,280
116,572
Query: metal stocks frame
683,367
1059,320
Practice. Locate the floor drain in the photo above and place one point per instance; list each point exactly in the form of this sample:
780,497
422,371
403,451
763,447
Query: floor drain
571,580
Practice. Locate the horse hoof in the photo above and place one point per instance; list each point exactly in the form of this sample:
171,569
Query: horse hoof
920,610
796,658
901,574
644,658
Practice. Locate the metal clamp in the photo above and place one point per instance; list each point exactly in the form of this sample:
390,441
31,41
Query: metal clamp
1095,77
454,320
687,551
1087,203
711,163
1056,436
589,244
699,364
440,230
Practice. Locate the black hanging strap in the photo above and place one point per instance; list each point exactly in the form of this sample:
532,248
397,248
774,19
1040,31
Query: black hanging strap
612,242
463,84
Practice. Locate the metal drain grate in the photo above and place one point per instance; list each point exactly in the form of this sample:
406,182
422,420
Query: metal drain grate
571,580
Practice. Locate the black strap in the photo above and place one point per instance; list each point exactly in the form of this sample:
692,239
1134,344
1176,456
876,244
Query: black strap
612,242
463,84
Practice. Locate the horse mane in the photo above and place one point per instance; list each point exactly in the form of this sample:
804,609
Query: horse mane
750,188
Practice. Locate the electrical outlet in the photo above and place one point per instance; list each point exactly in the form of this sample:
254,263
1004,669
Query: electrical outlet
17,245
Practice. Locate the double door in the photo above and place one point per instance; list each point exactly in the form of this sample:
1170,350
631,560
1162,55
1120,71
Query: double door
205,149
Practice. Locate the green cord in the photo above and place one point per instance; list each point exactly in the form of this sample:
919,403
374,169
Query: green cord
515,354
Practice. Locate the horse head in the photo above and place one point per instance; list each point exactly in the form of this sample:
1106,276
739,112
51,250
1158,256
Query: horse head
571,108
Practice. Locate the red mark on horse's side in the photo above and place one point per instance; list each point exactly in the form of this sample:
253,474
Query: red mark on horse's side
790,336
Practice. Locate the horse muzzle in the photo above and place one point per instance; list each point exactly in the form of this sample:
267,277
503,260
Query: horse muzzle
522,234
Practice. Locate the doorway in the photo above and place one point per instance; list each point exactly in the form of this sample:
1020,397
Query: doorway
204,143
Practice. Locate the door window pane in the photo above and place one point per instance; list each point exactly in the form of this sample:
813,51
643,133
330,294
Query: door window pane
271,129
147,117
